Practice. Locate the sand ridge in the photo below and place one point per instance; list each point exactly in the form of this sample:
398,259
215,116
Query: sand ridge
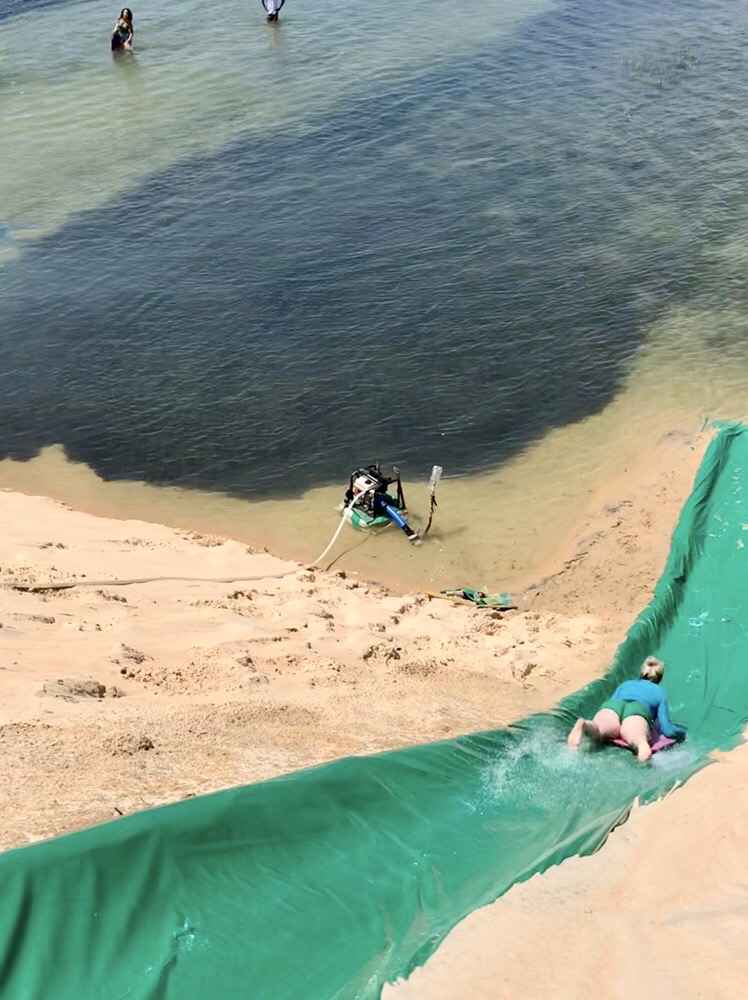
119,698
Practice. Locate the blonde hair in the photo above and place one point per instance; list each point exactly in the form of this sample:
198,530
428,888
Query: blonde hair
652,669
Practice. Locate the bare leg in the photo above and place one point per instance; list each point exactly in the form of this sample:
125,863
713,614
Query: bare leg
575,736
605,726
635,730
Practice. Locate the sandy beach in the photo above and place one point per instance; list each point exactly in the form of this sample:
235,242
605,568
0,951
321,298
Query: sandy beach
114,699
229,666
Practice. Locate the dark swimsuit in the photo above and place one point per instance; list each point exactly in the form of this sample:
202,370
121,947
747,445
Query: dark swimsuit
120,36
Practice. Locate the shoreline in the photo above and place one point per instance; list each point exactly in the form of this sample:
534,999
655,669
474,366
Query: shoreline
116,699
459,551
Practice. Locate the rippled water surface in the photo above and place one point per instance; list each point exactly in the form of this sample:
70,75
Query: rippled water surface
250,262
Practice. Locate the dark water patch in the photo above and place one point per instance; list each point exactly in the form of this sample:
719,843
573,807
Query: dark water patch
442,272
12,8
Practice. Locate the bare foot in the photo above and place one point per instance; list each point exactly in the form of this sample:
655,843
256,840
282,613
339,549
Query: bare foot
643,753
575,736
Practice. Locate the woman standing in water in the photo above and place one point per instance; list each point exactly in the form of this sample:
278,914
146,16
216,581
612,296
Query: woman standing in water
629,715
272,8
123,32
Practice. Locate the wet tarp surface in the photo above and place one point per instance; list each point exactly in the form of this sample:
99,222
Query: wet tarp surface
328,882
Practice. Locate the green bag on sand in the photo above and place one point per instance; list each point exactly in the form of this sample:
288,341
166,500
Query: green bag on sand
502,602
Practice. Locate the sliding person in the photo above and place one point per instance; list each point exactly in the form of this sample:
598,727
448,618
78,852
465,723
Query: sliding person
637,706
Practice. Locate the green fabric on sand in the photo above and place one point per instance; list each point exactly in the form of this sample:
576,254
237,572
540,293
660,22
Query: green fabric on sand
482,599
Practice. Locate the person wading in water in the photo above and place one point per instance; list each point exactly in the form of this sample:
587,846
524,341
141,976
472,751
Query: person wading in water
123,32
272,8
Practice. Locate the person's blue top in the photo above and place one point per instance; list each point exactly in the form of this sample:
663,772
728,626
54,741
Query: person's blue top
651,695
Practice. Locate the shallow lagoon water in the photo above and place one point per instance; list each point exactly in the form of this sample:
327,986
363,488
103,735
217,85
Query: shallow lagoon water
501,243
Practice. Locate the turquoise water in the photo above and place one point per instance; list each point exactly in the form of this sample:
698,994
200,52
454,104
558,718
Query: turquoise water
252,262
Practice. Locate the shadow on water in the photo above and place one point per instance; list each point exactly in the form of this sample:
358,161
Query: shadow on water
12,8
126,61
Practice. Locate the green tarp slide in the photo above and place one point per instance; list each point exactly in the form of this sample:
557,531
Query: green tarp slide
329,882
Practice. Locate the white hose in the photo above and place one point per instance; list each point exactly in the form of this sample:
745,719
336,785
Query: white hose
67,585
318,560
